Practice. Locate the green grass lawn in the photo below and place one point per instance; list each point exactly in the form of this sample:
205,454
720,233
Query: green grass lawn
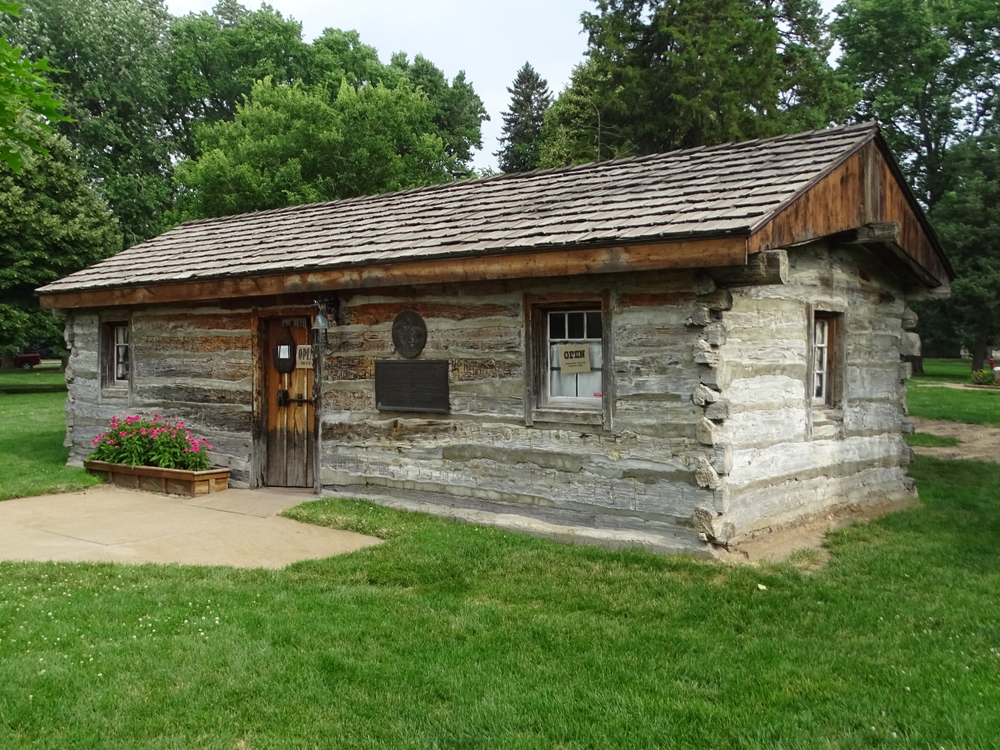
32,457
452,636
926,440
925,398
945,371
41,375
955,404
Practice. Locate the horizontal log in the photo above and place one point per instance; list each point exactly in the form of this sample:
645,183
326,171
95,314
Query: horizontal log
553,263
462,370
371,314
194,343
767,267
150,396
154,320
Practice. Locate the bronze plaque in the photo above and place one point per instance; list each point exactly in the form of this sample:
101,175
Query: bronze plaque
404,385
409,334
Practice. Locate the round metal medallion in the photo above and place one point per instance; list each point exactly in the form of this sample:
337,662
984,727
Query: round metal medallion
409,334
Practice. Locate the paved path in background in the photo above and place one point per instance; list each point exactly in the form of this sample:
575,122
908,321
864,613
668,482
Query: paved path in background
111,524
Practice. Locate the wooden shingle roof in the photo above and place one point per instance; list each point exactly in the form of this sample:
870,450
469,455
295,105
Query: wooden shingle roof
727,191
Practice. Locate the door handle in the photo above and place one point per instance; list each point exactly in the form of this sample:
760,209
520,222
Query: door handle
301,401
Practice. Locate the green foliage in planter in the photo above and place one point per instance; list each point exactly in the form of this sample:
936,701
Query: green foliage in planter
156,441
983,377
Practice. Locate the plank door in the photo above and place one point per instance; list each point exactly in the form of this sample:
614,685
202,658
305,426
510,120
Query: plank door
289,428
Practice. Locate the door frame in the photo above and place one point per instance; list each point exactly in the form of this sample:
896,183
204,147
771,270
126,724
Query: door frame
261,320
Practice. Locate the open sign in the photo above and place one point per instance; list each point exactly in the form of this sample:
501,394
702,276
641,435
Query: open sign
574,358
303,358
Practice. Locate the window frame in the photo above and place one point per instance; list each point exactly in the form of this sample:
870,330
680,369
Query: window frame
110,348
834,366
539,406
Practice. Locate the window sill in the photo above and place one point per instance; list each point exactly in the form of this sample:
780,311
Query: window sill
571,415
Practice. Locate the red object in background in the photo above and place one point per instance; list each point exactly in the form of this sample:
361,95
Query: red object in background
991,363
27,361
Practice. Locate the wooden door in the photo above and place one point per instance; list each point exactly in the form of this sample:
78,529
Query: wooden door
289,422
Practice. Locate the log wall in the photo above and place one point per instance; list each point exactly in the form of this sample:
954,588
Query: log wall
792,460
709,427
190,364
650,463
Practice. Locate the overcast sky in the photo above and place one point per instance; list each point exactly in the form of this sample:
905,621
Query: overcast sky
488,39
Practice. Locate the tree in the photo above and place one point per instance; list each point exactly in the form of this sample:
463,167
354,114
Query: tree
457,112
967,218
290,145
51,224
26,102
520,143
215,59
667,74
111,57
928,71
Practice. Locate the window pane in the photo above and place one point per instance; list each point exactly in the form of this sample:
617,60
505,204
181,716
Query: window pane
820,385
575,325
596,357
557,325
563,385
589,384
820,332
121,362
820,364
594,327
554,361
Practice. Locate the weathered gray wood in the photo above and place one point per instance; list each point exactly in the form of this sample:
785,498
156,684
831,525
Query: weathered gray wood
766,267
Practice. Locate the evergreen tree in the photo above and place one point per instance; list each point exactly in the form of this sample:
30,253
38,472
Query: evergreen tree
967,218
667,74
520,144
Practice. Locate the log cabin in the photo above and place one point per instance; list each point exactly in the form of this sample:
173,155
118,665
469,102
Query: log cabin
678,351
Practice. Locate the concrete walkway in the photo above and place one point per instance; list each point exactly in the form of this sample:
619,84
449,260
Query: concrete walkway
112,524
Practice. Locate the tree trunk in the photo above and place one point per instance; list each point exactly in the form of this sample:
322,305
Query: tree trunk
979,350
917,361
6,361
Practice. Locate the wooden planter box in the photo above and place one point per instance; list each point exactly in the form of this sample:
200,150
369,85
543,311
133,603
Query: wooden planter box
154,479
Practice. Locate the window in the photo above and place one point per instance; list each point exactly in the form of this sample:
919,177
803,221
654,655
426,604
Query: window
574,371
825,379
568,358
116,360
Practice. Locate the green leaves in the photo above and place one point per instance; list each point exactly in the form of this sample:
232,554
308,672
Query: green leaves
26,102
928,71
666,74
290,145
52,224
967,218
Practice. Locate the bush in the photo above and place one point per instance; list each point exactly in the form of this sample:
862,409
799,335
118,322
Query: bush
983,377
141,441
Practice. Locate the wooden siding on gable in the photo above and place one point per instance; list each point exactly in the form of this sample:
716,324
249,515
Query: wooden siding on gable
862,190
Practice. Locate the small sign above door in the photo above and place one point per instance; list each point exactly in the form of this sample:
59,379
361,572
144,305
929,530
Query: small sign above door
303,358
